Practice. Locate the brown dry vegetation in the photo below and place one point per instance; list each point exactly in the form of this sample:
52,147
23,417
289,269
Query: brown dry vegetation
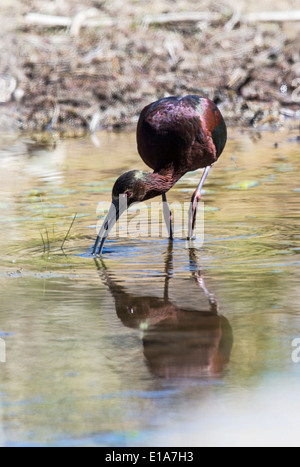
111,58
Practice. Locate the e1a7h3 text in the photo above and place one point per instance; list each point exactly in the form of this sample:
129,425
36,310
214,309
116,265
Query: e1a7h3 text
150,456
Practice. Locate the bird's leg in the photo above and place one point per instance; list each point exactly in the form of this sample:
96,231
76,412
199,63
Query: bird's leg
168,269
214,306
167,216
194,203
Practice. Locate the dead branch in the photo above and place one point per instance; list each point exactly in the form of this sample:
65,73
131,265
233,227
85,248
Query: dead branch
181,17
272,16
91,18
38,19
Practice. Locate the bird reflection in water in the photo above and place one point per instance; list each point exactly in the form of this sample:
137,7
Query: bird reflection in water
179,341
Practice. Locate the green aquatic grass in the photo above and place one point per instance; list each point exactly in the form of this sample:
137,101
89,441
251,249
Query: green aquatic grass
67,234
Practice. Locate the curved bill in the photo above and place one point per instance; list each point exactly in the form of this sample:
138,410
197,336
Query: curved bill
116,209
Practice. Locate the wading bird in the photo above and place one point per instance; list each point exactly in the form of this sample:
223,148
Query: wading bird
175,135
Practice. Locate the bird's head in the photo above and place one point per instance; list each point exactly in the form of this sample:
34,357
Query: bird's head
129,188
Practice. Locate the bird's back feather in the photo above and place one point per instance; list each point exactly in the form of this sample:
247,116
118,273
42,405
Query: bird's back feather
187,133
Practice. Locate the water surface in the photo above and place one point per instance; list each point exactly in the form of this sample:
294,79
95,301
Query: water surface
154,345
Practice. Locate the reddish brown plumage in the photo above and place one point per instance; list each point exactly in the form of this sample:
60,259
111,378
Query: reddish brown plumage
180,134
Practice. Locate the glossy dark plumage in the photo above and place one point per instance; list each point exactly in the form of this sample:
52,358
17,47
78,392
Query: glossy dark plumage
186,133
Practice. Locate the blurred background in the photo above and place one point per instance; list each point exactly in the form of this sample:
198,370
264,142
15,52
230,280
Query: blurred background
72,65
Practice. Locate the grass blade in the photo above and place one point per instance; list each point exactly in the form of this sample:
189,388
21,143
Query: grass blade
62,245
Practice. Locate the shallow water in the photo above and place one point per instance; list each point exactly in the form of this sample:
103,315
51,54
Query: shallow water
154,345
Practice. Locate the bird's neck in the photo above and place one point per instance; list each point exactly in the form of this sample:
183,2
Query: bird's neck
160,182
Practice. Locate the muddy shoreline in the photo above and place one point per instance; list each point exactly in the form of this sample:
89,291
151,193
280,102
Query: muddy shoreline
73,69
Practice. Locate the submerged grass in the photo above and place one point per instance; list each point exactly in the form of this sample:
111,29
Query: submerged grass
46,245
73,220
43,240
